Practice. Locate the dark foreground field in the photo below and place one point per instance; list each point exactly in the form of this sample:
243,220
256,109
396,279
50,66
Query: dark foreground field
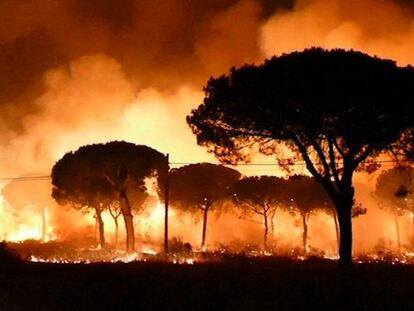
233,284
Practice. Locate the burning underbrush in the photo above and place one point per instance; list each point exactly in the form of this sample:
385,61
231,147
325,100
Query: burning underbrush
68,253
180,253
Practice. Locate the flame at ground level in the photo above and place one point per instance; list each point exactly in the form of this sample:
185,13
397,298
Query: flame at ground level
205,257
225,231
374,234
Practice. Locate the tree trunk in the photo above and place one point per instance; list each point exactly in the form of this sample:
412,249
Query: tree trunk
101,229
272,223
272,227
116,231
345,230
305,233
166,205
204,233
44,224
266,231
129,222
335,217
412,219
397,232
96,230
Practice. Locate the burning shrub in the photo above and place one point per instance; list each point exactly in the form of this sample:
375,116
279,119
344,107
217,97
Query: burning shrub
176,245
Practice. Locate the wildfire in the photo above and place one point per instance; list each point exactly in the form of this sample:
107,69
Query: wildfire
27,233
404,259
284,238
146,254
24,234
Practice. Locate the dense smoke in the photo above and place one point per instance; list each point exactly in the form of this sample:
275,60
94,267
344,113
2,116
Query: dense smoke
378,27
75,72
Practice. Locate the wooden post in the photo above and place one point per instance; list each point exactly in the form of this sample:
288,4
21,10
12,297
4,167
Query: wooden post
166,194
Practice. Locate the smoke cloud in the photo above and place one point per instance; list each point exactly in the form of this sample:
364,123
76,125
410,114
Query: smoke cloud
382,28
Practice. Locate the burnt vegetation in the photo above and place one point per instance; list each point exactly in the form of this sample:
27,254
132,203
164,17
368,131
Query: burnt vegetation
337,111
107,176
334,110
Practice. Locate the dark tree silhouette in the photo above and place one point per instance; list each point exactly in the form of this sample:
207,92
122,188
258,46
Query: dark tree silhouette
402,151
201,187
106,172
357,210
394,192
76,184
139,201
29,195
114,209
333,109
260,196
307,196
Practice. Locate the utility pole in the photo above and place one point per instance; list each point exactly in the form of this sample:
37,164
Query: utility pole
166,194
